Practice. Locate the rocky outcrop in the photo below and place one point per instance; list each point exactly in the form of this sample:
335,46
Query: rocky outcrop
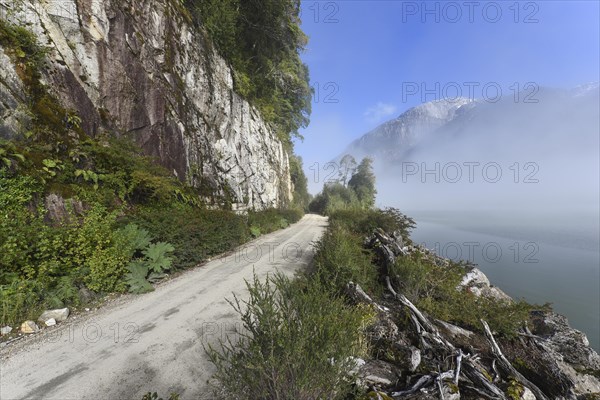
141,69
419,357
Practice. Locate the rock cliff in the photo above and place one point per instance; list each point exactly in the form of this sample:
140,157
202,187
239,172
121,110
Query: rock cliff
140,68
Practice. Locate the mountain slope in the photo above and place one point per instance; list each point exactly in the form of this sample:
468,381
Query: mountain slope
441,129
392,138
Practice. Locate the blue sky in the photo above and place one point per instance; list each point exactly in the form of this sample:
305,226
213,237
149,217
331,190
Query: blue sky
365,58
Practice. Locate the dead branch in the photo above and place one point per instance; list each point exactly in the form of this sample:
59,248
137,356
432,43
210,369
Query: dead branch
459,357
507,366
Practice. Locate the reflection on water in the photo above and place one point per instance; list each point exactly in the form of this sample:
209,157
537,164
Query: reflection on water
538,266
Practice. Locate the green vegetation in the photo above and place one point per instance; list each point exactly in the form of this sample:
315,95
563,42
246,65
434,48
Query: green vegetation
122,230
433,289
301,196
84,217
298,343
340,259
364,222
357,194
363,183
262,40
292,328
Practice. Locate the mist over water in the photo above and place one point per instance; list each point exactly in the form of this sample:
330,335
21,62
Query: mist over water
524,177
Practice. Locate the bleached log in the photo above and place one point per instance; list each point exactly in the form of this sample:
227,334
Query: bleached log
356,292
424,381
472,371
471,367
459,357
507,366
424,321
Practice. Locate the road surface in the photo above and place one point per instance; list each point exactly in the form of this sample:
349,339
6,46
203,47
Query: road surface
151,342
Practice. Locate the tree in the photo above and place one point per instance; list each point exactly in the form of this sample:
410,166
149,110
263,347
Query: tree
299,182
347,168
363,183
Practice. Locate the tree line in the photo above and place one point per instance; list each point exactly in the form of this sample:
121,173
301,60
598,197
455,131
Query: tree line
353,189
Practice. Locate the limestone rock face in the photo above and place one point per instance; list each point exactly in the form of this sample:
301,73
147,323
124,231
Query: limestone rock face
139,68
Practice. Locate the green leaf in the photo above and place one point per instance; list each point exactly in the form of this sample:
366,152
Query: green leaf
255,231
157,256
49,163
137,237
136,278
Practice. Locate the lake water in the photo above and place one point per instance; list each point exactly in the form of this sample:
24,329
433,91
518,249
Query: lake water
539,265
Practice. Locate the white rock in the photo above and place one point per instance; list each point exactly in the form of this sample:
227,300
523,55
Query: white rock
474,278
50,322
415,359
6,330
358,363
59,315
29,327
377,380
527,394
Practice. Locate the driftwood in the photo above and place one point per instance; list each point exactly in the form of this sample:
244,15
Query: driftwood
443,348
459,357
359,295
507,366
468,365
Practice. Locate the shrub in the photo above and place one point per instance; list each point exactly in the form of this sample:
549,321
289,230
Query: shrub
195,233
363,222
273,219
340,259
297,343
151,268
21,297
434,290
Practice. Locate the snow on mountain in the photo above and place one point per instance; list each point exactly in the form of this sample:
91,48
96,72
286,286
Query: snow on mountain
392,138
546,116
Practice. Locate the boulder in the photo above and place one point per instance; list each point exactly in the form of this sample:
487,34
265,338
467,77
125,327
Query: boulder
527,394
29,327
50,322
59,315
572,344
477,283
378,373
86,295
6,330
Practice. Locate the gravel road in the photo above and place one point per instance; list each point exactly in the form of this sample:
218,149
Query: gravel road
151,342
